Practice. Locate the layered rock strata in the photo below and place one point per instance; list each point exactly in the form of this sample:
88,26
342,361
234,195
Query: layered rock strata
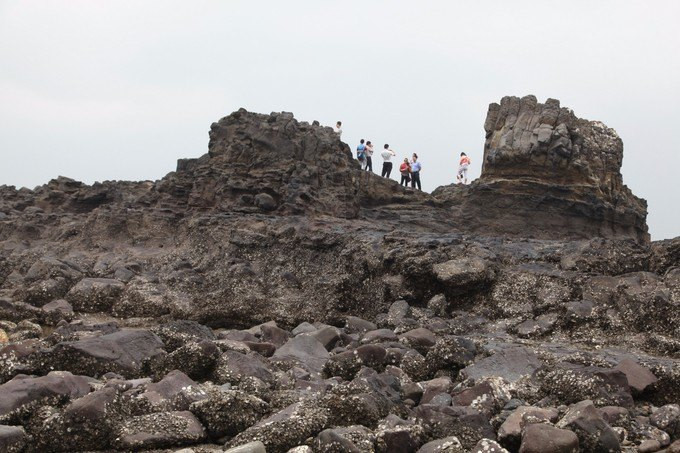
547,173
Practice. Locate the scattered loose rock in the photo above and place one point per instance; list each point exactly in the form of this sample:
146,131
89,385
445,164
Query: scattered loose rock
271,296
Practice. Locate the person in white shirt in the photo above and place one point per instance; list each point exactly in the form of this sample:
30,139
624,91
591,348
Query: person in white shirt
387,155
338,129
369,156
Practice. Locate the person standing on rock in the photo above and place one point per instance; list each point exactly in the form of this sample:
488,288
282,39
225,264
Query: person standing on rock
369,156
463,168
405,170
361,154
387,155
338,129
415,172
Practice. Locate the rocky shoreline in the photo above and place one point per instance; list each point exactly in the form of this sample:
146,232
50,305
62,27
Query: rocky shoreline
271,296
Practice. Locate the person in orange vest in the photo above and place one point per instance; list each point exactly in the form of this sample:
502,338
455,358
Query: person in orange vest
463,168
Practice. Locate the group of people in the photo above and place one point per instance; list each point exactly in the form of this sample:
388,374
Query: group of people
409,169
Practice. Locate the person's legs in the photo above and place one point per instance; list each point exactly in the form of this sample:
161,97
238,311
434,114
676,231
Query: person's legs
465,175
416,180
369,163
387,169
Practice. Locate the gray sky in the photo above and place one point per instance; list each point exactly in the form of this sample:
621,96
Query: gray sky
99,90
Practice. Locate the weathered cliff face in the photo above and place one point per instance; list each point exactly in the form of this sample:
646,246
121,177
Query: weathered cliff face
547,173
530,290
270,163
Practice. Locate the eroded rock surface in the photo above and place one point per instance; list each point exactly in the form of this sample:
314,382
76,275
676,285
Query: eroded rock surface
271,296
546,170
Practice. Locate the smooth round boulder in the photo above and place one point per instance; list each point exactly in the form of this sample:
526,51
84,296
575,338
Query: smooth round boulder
545,438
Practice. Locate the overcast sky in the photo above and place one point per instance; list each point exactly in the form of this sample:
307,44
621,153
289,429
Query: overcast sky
100,90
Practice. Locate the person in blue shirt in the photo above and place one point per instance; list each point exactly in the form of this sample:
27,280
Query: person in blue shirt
415,172
361,154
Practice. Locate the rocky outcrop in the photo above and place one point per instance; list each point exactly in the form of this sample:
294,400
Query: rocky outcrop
270,295
548,173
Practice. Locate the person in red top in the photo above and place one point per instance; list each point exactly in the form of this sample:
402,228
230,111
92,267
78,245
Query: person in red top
405,170
463,168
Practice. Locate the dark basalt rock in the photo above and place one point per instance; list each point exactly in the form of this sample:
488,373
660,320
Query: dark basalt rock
449,444
593,432
270,294
162,429
24,393
547,171
123,352
543,438
12,439
228,412
513,364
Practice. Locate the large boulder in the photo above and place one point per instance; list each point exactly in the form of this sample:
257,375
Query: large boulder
639,378
304,350
467,424
85,424
667,418
159,430
228,412
463,274
449,444
593,432
287,428
512,364
123,351
349,439
571,383
511,431
175,392
13,439
22,394
545,438
95,294
237,368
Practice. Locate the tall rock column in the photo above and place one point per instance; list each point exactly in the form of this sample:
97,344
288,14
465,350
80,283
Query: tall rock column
549,174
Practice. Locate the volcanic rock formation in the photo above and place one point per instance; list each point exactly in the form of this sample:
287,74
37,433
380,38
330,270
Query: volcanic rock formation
271,296
547,173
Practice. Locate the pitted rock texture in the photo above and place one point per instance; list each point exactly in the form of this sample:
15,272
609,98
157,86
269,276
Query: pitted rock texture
546,171
271,296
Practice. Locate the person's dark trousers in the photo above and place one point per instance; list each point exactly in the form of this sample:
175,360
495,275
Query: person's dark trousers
415,179
404,180
369,163
387,169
